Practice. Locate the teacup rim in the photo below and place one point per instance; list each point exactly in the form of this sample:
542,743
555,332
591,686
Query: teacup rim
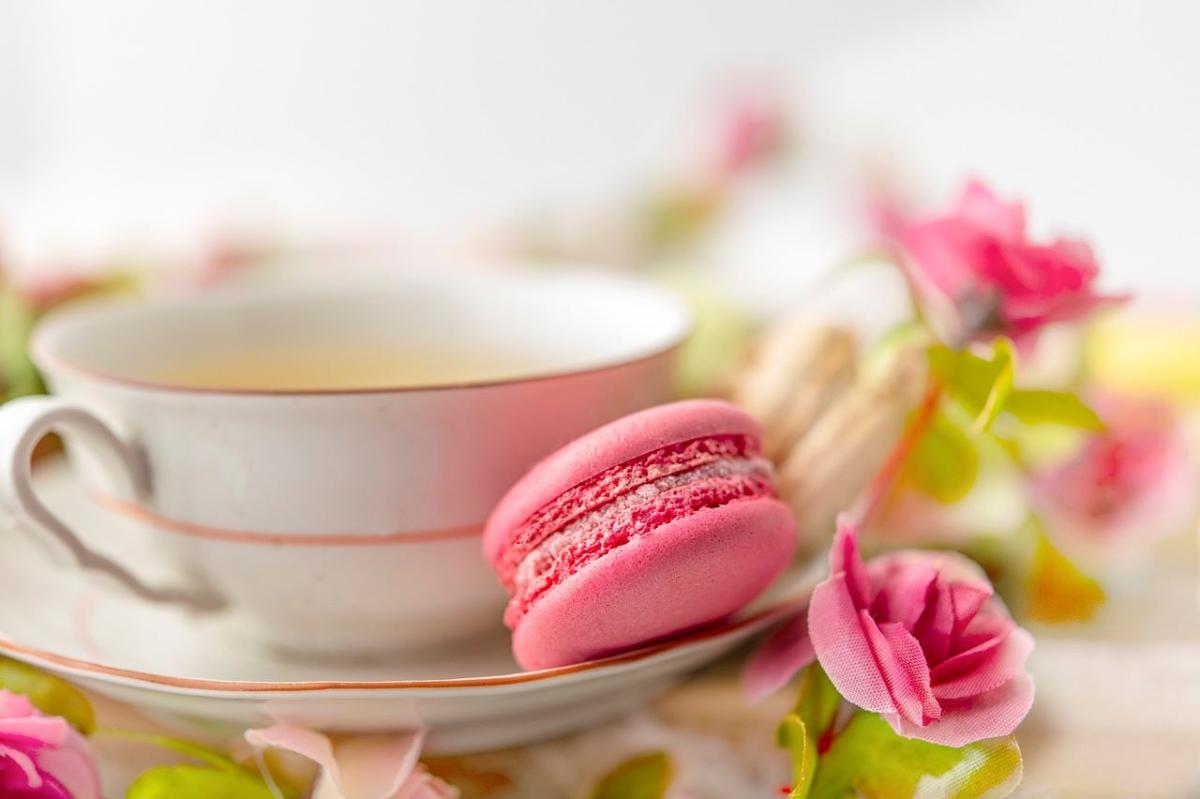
48,361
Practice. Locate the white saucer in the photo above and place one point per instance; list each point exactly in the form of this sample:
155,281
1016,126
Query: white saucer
189,671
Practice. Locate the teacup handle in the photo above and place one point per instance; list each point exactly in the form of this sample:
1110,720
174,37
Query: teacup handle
26,421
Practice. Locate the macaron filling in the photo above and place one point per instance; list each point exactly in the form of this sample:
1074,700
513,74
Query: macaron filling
624,503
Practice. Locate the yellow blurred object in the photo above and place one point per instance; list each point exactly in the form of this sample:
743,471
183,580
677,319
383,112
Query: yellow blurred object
1058,591
1136,352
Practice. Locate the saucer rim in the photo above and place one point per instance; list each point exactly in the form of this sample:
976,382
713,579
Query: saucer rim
758,620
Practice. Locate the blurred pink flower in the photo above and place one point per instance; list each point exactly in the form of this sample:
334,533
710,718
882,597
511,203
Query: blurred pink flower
753,128
1135,479
915,636
46,293
980,256
361,766
42,757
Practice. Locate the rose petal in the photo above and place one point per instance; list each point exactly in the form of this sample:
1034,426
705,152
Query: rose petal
991,621
14,705
935,628
965,662
841,646
359,767
773,665
44,730
902,664
303,741
904,589
24,762
983,208
844,557
967,598
953,567
938,247
378,766
983,668
72,765
990,715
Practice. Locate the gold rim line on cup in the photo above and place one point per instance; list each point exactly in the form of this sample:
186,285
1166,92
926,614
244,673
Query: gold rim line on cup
43,358
140,514
765,616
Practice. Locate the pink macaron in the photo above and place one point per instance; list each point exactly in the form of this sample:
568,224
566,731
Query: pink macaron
657,523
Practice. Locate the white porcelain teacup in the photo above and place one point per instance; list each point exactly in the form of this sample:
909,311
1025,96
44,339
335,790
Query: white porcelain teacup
332,520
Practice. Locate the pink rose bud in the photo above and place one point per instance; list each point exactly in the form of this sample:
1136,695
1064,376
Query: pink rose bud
915,636
919,638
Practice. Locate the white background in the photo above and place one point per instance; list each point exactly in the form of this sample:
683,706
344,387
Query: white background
128,122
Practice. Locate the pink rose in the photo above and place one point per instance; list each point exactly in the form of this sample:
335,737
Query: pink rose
1135,479
917,637
981,257
42,757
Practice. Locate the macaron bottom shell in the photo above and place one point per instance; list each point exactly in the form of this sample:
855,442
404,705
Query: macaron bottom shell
688,573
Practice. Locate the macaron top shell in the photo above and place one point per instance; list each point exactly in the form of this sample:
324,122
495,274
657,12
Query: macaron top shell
604,448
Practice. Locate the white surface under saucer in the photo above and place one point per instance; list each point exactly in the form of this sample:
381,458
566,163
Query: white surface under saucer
192,671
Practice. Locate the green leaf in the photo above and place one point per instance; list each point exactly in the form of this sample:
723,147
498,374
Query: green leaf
160,782
1041,406
868,759
900,338
674,219
944,463
801,732
984,387
981,385
208,756
646,776
721,332
198,782
1004,362
1058,590
794,736
18,375
49,694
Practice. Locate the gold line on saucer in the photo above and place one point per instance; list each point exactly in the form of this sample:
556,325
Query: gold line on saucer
766,615
149,517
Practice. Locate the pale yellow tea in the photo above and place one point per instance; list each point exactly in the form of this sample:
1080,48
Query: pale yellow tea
340,368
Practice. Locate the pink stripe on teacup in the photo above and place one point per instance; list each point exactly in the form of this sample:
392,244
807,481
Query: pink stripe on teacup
149,517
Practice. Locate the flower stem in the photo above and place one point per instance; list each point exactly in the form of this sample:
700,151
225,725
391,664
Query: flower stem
886,478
